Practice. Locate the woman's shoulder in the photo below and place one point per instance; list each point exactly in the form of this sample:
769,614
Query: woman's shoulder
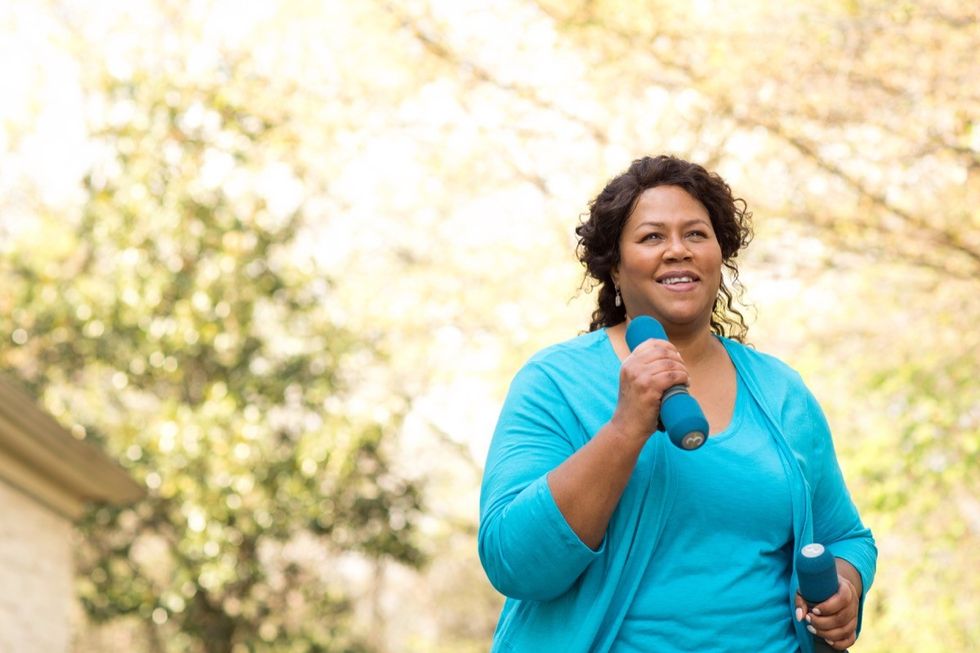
749,355
568,359
571,351
566,365
766,367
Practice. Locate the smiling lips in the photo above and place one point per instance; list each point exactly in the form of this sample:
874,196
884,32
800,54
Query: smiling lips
679,281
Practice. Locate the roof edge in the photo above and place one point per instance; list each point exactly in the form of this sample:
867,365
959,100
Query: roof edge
34,444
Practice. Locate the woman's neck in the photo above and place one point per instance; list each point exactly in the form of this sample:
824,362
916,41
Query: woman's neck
695,346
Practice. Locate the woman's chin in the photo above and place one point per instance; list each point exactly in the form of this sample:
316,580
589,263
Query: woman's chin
679,316
687,321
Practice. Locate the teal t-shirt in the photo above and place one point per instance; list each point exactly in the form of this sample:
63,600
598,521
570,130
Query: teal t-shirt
730,528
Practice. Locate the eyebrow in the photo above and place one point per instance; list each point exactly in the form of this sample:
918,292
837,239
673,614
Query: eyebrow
662,225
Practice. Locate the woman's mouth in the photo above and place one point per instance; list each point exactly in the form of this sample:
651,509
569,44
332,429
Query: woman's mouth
679,281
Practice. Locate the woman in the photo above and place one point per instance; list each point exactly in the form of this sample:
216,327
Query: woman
603,535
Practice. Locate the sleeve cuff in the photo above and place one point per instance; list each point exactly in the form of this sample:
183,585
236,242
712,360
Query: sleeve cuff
851,552
568,537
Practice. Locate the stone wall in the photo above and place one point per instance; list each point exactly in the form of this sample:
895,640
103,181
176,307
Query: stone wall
35,576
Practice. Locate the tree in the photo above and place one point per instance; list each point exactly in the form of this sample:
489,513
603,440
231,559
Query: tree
172,322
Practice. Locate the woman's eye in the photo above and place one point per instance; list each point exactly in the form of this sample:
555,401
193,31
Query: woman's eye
698,234
651,236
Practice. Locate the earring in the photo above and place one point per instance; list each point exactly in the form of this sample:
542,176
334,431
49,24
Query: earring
619,299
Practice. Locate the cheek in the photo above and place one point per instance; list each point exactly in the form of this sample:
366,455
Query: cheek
717,258
631,263
715,266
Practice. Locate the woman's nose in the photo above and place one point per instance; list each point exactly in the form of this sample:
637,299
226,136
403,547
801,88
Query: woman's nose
677,249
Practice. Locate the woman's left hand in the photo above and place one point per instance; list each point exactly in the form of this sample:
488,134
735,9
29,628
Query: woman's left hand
834,620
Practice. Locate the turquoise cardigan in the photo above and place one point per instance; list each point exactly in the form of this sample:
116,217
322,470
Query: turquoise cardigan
564,596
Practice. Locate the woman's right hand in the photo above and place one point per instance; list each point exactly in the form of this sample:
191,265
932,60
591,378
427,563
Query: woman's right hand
652,368
587,486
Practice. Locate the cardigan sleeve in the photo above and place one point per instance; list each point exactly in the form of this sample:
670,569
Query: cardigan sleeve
836,522
526,546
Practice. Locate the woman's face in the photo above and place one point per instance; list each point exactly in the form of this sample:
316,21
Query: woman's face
670,260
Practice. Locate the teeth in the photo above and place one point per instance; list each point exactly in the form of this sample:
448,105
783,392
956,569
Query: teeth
673,280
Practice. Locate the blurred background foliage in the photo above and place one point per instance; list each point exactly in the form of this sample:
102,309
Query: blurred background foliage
281,260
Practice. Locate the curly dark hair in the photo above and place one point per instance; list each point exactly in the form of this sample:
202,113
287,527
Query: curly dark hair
598,235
